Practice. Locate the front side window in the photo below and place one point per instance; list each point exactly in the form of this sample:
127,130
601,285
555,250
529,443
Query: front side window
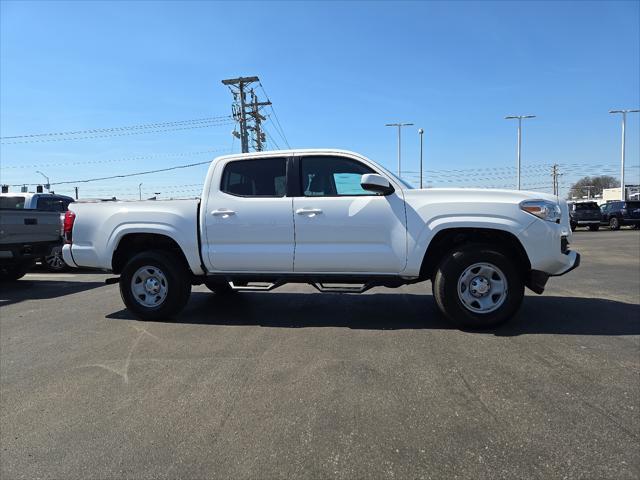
330,176
255,178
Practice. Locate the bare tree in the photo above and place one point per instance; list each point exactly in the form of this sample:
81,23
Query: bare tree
593,185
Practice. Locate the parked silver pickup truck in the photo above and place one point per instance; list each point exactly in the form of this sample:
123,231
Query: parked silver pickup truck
26,235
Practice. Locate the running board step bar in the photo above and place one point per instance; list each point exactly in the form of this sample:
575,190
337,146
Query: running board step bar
321,287
256,288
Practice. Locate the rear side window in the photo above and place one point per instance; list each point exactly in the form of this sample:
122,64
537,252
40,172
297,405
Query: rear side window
14,203
255,178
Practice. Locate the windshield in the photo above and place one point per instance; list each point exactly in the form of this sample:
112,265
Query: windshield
404,183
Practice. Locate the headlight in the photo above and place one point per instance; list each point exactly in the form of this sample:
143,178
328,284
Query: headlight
543,209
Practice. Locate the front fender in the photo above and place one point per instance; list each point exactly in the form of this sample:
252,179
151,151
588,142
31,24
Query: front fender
418,245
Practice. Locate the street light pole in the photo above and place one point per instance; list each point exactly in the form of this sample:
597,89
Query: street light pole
421,133
399,125
623,189
519,163
48,184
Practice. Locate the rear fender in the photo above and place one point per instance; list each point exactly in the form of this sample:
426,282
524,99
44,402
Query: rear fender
187,243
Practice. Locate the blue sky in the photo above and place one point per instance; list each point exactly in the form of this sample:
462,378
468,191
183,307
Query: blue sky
336,72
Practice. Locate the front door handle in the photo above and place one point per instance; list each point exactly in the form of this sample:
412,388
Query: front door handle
308,211
223,212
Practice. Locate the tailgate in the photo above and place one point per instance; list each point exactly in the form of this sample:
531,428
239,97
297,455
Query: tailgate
29,226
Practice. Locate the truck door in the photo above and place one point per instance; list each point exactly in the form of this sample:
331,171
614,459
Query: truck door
249,221
342,228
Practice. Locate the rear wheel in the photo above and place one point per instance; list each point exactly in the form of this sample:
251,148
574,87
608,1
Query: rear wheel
11,273
614,223
594,228
155,285
478,287
573,226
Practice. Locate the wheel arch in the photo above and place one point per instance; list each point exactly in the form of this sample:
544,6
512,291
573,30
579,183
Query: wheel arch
450,238
130,244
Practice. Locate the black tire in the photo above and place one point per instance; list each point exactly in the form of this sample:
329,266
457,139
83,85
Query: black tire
614,223
573,226
11,273
594,228
445,286
219,287
174,277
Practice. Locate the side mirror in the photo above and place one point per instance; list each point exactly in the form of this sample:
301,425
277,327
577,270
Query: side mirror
376,183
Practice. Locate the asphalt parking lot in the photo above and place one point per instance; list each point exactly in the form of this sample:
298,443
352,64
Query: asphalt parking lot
297,384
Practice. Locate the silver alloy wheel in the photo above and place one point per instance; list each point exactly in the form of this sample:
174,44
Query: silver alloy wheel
55,261
149,286
482,288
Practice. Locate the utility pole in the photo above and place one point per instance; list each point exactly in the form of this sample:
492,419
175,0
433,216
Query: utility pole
519,163
140,191
76,188
399,125
589,187
258,135
623,188
554,175
421,133
247,113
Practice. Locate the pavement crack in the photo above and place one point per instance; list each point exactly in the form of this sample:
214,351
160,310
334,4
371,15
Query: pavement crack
124,370
475,395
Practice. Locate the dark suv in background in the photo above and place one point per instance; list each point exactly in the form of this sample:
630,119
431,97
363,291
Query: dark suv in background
618,213
584,214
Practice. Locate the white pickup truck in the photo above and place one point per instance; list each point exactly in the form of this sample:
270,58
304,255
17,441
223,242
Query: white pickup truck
333,219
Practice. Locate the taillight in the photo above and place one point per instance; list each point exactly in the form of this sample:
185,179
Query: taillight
67,227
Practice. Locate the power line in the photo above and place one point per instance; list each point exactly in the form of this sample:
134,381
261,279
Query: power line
98,162
281,131
111,177
141,132
271,138
111,129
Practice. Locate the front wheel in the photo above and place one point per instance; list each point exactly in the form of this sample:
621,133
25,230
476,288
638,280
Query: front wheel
154,285
614,223
478,287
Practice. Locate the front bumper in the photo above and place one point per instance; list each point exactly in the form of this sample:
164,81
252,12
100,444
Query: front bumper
538,280
587,222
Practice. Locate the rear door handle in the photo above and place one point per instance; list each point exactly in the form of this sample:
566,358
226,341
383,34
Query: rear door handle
308,211
223,212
